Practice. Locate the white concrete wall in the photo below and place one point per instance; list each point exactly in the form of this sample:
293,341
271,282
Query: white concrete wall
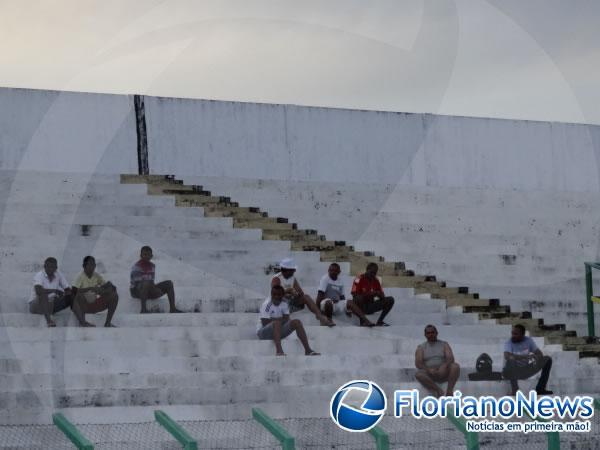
283,142
67,132
501,203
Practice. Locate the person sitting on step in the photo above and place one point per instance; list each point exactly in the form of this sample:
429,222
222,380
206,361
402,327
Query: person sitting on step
523,359
331,299
93,294
435,364
142,282
274,322
294,295
51,292
368,295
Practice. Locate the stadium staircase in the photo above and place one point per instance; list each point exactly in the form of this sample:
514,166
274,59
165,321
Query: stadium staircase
206,367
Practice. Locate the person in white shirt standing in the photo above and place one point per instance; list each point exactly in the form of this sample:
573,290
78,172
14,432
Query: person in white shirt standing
331,299
51,292
274,322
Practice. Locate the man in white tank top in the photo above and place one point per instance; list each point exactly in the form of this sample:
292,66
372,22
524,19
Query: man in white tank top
435,363
294,295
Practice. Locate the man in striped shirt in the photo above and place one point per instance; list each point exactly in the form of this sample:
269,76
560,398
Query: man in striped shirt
142,282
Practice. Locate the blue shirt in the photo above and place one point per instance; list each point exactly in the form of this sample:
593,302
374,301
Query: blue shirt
525,347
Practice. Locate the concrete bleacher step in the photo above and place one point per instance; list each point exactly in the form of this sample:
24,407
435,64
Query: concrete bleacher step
318,394
201,362
452,299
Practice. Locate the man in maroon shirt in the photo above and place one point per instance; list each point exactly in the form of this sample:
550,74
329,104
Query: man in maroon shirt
369,296
142,282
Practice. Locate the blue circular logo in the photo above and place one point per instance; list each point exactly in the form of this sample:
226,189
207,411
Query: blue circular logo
358,406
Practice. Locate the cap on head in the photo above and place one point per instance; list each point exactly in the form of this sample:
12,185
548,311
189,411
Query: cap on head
288,264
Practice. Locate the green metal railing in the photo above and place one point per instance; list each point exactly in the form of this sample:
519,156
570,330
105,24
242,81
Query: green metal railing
280,433
471,439
176,430
591,299
382,440
553,437
71,432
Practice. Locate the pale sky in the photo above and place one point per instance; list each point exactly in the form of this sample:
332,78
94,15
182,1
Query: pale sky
524,59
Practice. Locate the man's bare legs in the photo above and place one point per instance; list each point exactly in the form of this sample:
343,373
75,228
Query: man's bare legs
147,290
109,301
46,309
79,305
297,326
312,306
428,383
453,373
351,307
446,372
46,306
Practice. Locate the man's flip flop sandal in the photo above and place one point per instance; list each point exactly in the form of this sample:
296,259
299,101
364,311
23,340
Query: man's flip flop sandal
313,353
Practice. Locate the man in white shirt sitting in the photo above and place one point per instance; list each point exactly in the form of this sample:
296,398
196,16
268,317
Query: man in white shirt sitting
274,322
51,292
331,299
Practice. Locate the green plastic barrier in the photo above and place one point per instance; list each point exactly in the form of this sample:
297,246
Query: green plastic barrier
280,433
471,439
590,297
382,439
71,432
176,430
553,437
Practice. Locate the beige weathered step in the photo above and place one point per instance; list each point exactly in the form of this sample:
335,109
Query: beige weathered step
266,223
394,273
289,235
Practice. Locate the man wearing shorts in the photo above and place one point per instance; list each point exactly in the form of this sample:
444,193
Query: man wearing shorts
294,295
274,322
331,299
142,282
435,364
51,292
93,294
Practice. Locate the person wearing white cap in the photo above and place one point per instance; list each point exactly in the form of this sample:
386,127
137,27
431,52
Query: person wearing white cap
294,295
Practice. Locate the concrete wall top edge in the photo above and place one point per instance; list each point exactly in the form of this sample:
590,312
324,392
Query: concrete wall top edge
316,107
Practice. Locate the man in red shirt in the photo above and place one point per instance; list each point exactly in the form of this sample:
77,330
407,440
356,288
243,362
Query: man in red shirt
368,295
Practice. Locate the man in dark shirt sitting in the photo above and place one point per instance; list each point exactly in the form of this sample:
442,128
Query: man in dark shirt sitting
368,295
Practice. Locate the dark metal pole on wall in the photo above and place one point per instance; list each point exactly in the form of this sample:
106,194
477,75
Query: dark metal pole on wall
142,137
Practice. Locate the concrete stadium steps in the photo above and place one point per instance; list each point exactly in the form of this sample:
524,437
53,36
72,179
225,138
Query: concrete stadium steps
213,294
318,394
143,231
211,364
454,298
361,204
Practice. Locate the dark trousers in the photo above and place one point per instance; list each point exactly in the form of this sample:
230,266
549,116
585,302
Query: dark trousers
384,305
514,372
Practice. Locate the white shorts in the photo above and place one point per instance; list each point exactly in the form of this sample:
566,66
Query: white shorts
339,307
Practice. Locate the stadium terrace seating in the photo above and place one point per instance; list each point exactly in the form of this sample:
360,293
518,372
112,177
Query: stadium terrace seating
207,364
